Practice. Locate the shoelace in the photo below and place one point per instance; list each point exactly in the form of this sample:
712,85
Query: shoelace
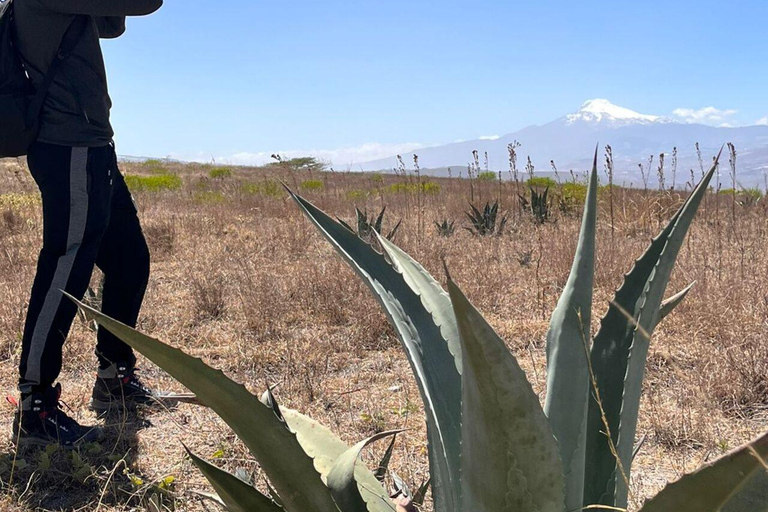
134,380
62,420
59,417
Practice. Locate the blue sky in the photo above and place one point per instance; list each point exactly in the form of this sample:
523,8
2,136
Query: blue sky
238,80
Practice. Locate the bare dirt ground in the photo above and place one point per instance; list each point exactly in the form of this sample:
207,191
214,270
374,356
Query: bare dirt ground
241,279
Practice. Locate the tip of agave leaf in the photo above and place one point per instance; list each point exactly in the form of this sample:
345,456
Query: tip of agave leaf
382,435
717,158
84,308
447,272
287,188
70,297
594,163
267,396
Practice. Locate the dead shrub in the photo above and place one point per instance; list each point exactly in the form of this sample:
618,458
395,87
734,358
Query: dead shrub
10,222
161,238
208,295
740,385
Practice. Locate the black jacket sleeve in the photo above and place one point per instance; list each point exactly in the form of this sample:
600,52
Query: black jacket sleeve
103,7
111,27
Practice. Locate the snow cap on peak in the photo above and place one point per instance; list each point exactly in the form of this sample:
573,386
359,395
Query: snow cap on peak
599,109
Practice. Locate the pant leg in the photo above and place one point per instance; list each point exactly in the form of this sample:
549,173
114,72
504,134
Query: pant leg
76,194
124,258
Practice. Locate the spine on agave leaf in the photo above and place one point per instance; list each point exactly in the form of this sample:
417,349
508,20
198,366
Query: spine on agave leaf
610,357
567,349
431,356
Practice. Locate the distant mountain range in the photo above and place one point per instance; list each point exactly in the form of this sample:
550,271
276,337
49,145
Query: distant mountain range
570,140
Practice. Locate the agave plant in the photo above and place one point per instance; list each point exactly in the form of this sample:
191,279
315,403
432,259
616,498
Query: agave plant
445,228
492,447
487,221
366,226
309,468
538,206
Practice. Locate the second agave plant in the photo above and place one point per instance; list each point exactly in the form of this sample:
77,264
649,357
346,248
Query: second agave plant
492,446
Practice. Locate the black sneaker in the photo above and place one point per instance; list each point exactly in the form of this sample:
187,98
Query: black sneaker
39,421
118,388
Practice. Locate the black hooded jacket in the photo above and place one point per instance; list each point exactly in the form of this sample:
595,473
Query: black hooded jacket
76,110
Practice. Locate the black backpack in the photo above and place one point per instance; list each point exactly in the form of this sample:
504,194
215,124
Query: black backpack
20,103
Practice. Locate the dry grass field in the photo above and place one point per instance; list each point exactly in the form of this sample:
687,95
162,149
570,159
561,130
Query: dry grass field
243,280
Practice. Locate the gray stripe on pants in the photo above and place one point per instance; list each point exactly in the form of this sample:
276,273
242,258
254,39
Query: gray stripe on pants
78,216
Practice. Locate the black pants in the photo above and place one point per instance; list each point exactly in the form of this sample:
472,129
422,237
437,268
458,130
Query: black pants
89,218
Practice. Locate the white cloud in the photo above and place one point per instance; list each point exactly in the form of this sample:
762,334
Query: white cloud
706,115
337,157
762,121
488,137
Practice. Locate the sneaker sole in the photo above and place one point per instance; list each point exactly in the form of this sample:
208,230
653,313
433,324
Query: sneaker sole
94,435
100,407
163,402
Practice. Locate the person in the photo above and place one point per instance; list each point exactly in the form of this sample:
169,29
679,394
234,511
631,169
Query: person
88,214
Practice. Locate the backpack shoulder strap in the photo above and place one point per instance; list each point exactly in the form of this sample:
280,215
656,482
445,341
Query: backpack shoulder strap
72,36
68,43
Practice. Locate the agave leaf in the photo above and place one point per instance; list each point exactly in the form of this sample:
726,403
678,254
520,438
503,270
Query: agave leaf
647,319
671,303
210,496
421,493
362,222
502,224
427,351
433,297
238,496
326,448
752,497
567,364
393,232
381,470
343,223
610,350
478,214
509,457
343,482
379,220
401,488
266,435
710,488
273,494
609,357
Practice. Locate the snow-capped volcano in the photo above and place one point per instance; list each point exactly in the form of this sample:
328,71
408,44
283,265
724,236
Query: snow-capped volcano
601,110
569,142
